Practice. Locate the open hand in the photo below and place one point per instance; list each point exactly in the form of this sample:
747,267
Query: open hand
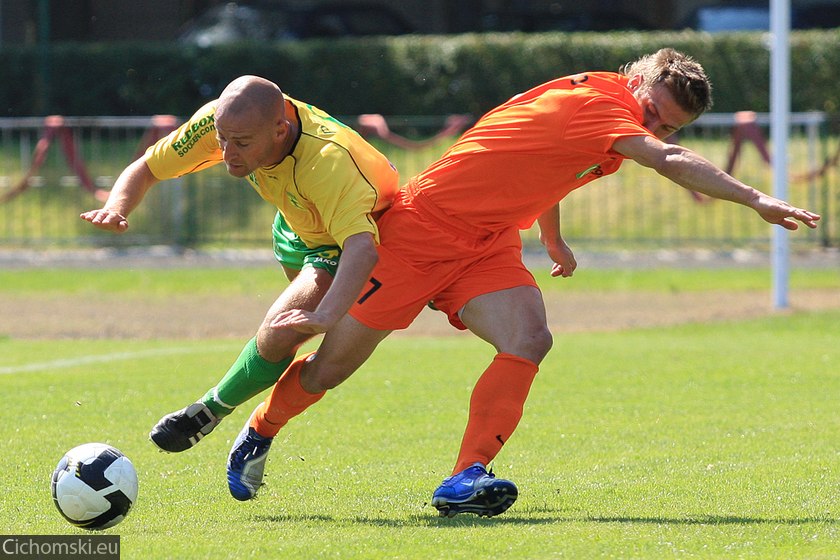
781,213
106,219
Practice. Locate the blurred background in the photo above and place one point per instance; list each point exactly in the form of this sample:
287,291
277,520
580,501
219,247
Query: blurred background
208,21
89,84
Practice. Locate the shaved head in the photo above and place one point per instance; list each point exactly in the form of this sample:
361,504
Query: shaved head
252,126
251,94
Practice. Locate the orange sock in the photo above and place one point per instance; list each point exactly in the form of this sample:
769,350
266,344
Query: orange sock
287,400
495,408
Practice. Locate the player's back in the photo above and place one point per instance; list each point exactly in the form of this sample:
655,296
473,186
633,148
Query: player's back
519,158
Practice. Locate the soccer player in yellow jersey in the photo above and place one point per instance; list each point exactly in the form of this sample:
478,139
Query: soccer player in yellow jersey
328,185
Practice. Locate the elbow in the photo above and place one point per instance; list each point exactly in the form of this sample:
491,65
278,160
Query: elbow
669,153
672,161
362,249
372,256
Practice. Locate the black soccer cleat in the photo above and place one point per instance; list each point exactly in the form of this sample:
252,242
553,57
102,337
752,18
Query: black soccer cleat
181,430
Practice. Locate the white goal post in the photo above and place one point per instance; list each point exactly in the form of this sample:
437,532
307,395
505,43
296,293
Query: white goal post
780,111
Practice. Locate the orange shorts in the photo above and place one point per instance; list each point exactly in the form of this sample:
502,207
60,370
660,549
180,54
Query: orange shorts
423,260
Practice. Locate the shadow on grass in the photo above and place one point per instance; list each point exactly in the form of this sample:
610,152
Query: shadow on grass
466,520
294,518
713,520
414,520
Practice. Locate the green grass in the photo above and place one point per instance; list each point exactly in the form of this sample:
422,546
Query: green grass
701,441
150,282
142,282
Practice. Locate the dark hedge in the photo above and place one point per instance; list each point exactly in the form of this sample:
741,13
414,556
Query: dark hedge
414,75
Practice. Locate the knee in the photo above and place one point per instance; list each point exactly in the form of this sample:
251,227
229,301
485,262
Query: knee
542,341
275,345
532,344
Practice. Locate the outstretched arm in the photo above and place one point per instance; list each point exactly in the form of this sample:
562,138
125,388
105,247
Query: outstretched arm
125,196
557,249
358,257
690,170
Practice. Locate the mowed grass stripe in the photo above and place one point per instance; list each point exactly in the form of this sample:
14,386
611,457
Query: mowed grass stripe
65,363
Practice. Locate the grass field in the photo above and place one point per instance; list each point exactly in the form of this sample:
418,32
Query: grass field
697,441
163,282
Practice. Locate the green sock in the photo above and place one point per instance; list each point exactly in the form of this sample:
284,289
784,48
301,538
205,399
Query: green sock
248,376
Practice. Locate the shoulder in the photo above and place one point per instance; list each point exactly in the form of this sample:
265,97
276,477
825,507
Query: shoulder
589,93
205,112
317,123
326,138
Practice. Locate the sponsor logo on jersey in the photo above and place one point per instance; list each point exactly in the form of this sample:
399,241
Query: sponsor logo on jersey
594,169
193,134
293,199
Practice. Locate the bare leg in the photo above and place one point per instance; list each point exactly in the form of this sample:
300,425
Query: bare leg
258,366
524,330
345,347
306,290
264,358
522,340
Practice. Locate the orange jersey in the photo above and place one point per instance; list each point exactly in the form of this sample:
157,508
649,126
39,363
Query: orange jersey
527,154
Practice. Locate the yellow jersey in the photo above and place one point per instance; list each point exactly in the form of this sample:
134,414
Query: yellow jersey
327,188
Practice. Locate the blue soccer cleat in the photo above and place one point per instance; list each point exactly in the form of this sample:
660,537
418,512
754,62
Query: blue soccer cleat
246,463
474,490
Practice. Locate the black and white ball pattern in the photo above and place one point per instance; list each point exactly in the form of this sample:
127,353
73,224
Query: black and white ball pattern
94,486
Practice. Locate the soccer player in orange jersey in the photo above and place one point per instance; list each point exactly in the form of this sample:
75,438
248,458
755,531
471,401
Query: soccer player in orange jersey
451,238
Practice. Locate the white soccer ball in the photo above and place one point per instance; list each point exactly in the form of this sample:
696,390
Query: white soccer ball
94,486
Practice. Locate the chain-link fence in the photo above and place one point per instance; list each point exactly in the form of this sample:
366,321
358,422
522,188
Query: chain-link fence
52,169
